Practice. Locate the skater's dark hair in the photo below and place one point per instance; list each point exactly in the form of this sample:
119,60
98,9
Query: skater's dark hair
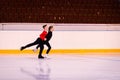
50,28
44,26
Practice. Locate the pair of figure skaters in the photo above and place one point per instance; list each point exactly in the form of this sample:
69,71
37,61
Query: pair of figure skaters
42,40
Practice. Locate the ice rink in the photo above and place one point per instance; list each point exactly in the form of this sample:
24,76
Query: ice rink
60,67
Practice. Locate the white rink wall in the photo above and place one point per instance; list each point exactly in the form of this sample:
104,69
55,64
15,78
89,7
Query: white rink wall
75,37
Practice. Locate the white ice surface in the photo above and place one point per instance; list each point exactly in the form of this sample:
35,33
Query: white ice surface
59,67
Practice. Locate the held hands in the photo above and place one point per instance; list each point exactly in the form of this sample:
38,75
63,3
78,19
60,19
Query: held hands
45,39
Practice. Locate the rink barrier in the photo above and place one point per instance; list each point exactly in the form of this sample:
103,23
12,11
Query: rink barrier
65,51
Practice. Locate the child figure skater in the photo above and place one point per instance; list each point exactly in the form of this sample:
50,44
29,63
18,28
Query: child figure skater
46,42
39,41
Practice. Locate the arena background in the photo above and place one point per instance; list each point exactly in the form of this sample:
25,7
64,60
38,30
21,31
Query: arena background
80,25
85,43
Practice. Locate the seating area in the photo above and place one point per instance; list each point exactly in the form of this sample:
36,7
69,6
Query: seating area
60,11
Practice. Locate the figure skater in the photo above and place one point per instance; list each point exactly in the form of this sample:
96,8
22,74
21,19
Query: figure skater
46,42
39,41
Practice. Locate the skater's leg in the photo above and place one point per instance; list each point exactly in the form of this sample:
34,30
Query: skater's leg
48,50
37,46
47,44
41,50
31,44
49,47
35,50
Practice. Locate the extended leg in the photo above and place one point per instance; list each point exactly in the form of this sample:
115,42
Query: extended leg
31,44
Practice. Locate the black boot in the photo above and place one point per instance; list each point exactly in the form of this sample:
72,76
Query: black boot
40,57
22,48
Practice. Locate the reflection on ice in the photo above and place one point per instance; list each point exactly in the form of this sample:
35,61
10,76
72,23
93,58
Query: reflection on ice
42,71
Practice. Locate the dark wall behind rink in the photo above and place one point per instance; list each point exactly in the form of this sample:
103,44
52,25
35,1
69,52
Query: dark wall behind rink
60,11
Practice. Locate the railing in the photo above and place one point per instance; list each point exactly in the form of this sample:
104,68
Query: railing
59,27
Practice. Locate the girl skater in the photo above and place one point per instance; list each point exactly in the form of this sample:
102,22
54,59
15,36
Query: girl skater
39,41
